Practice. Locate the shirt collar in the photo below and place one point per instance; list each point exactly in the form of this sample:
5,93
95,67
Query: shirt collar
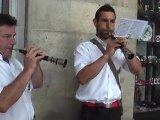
1,58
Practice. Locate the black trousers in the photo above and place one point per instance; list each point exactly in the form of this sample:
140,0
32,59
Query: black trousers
100,113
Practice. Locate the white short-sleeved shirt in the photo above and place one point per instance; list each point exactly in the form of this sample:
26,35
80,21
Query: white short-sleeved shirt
23,108
103,88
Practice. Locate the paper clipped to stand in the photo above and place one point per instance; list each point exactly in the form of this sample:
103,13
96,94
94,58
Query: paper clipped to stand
130,28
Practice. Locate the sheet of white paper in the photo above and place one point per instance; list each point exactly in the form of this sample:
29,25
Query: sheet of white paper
130,28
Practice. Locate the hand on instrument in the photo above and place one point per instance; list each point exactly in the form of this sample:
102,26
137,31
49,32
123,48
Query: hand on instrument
32,58
113,44
121,41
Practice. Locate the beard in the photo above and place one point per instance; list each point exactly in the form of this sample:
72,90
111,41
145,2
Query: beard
104,34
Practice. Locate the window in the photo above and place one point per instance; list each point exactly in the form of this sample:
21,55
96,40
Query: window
4,4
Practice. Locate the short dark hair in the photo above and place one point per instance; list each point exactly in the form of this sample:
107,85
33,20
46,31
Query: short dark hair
6,19
104,8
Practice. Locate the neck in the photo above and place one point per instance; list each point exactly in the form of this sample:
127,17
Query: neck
104,40
5,59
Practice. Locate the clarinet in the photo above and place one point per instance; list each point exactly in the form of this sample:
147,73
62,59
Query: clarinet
57,61
128,54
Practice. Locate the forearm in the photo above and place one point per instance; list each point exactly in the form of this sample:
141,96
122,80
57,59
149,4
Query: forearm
92,70
134,63
135,66
37,78
12,92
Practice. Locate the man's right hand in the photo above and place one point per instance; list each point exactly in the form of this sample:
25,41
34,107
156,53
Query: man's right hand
32,58
111,47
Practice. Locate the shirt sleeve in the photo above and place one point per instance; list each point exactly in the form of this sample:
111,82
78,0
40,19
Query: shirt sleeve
1,81
81,57
8,74
1,88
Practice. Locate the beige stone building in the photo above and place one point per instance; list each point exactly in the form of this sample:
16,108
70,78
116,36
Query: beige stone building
57,26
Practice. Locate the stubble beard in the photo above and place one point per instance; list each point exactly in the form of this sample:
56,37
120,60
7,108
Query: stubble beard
104,35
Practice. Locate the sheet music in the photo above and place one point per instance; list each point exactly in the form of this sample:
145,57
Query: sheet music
130,28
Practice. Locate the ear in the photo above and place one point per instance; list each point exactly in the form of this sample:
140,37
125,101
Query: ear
95,22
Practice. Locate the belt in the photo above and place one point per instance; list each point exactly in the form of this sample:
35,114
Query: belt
107,105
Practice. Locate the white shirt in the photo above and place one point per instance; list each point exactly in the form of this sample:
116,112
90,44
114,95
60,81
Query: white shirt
22,109
102,88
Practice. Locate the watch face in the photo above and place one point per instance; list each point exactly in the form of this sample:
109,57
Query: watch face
147,34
